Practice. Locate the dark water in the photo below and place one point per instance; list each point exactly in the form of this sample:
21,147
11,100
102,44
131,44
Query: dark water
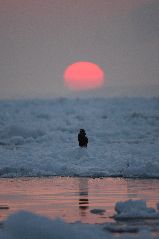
73,199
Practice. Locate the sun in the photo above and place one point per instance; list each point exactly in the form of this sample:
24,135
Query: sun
83,75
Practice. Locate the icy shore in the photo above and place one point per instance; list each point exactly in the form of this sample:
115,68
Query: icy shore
39,137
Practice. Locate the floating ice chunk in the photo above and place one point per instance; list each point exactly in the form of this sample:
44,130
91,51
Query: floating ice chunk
98,211
136,209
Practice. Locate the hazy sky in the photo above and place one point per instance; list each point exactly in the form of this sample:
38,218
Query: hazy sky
40,38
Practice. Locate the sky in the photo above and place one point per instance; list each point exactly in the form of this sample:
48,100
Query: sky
40,39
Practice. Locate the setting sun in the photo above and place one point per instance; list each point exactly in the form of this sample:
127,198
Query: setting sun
83,76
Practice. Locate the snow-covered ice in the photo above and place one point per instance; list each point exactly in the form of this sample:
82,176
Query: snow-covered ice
39,137
134,209
27,225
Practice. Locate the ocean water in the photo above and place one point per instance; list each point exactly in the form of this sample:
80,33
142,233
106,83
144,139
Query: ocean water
65,207
39,137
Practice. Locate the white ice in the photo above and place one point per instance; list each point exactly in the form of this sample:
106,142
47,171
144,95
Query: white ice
134,209
39,137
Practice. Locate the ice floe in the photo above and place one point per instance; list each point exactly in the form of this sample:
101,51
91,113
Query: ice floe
134,209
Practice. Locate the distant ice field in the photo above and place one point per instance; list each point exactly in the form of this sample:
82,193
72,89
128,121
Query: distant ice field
39,137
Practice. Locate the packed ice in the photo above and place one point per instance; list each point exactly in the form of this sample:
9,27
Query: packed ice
39,137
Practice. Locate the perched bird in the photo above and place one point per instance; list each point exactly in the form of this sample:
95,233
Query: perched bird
82,138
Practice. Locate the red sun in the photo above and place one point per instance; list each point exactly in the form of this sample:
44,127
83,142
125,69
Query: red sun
83,76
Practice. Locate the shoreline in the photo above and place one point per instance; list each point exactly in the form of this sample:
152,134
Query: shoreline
77,176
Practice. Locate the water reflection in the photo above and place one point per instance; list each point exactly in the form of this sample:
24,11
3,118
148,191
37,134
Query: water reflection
147,189
73,199
83,196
